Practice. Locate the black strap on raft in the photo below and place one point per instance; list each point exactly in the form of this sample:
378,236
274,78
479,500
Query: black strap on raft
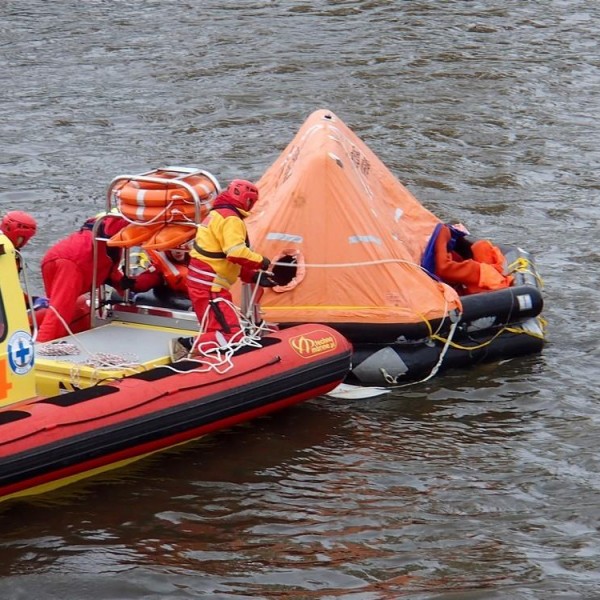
220,316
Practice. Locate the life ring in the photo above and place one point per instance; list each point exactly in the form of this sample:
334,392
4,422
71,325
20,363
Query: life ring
172,213
151,193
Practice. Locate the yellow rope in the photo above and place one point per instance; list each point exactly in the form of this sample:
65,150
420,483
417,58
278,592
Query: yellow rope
508,329
524,265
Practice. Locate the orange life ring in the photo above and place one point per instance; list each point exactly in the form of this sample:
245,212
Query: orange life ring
142,199
151,193
171,213
133,235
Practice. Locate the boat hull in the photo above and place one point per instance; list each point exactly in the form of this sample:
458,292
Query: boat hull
51,441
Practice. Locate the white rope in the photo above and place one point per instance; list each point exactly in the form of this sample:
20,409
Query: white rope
367,263
355,264
394,380
99,361
58,349
216,355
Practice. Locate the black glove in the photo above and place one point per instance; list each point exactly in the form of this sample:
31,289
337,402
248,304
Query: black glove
264,265
127,283
263,279
267,282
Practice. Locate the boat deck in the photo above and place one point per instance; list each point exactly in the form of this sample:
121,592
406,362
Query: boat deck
109,351
144,344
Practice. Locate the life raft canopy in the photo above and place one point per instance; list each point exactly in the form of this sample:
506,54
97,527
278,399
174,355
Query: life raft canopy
162,206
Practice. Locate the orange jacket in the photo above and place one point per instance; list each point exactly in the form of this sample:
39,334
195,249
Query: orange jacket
483,272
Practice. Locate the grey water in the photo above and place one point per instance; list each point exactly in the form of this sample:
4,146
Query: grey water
479,484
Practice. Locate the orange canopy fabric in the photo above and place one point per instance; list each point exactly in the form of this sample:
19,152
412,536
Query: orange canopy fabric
360,232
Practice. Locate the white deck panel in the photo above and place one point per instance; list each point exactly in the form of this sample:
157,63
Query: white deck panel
135,344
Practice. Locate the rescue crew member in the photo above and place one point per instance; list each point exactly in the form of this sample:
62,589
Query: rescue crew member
67,271
220,255
19,227
166,275
469,267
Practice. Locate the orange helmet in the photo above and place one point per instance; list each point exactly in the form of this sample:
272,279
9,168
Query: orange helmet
19,227
245,192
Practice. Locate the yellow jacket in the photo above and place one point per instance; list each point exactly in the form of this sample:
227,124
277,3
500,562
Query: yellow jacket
222,244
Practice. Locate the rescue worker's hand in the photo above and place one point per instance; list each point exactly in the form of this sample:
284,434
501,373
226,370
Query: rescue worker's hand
263,279
264,265
267,282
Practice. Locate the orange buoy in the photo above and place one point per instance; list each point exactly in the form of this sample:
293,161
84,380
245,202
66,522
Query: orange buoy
181,197
171,213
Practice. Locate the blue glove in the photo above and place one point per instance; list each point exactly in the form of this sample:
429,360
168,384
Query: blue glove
40,302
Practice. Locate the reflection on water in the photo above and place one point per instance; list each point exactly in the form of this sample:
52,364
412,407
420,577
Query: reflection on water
477,484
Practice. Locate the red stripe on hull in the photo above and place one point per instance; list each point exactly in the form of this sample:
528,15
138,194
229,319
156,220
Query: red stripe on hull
144,449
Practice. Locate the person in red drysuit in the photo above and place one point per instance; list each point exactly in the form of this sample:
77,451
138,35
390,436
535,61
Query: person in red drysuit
67,273
220,255
19,227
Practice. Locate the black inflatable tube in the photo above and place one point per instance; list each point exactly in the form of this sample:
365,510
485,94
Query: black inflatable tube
501,307
507,306
416,361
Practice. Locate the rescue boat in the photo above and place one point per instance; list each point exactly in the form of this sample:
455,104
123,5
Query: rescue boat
347,240
102,398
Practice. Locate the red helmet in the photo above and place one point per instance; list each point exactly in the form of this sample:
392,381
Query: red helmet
19,227
245,192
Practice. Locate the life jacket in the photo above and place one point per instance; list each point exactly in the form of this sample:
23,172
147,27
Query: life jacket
174,273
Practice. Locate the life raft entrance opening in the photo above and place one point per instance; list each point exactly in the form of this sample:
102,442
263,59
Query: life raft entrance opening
284,273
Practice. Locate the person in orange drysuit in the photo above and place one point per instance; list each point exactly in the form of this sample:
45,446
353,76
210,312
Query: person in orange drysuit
220,255
67,273
469,267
